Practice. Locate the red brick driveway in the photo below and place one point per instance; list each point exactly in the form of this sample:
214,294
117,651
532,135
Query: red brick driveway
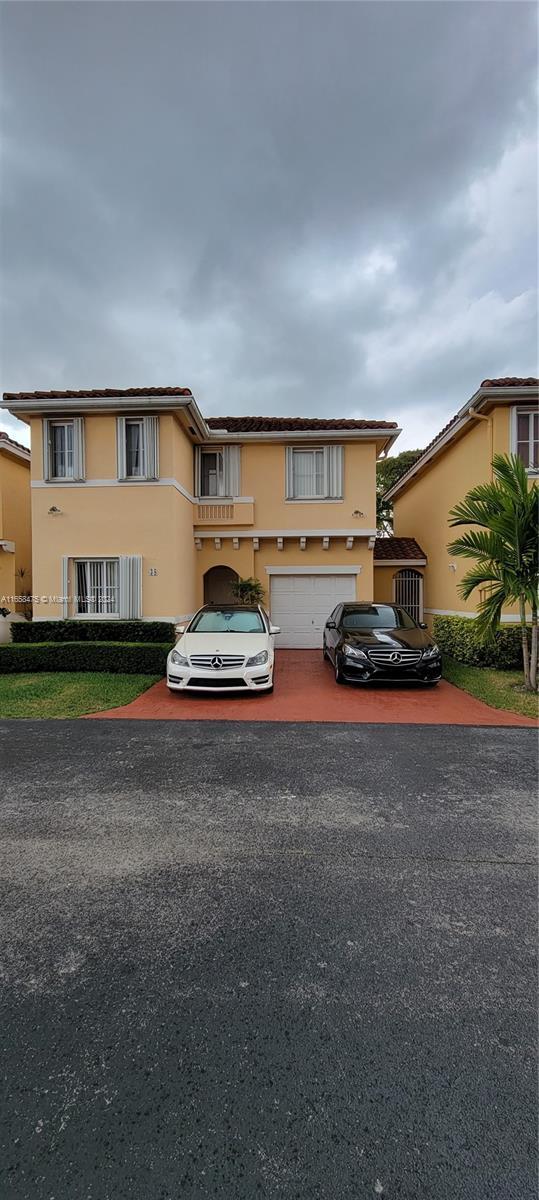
305,690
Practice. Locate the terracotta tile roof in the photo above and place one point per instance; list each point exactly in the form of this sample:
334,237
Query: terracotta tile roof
9,441
397,548
98,392
291,424
510,381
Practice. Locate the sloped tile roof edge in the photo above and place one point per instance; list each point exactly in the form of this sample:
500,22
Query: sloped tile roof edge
7,441
397,548
256,424
98,393
511,381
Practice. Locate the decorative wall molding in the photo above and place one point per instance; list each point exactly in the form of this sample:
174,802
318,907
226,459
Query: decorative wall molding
292,570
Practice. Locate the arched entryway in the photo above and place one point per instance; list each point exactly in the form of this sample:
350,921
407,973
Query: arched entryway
408,591
218,585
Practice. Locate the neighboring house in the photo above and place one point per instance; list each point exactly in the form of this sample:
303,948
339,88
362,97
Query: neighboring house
143,508
502,417
15,528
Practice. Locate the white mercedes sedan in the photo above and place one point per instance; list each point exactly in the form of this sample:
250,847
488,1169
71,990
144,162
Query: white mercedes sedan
224,648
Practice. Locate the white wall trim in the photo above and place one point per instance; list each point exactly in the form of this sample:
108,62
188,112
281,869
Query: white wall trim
400,562
9,447
123,483
352,570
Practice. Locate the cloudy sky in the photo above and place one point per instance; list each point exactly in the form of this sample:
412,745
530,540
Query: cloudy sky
291,208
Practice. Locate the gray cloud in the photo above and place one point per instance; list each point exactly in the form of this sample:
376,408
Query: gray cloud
288,207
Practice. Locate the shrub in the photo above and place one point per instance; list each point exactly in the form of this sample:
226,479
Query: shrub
92,631
458,637
129,658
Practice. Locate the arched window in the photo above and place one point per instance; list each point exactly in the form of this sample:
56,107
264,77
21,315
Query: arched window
408,591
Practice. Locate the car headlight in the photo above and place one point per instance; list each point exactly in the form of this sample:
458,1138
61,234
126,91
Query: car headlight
430,651
353,652
178,659
258,659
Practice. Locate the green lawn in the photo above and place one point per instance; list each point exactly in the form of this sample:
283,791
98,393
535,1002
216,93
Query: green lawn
68,693
497,688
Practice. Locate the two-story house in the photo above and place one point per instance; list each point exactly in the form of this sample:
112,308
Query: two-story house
15,530
143,508
501,417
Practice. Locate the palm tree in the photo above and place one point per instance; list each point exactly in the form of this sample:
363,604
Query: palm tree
505,547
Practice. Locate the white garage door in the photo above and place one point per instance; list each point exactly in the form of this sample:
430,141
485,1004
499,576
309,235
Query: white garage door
301,604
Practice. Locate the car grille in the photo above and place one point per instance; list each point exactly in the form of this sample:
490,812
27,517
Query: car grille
228,661
229,682
384,657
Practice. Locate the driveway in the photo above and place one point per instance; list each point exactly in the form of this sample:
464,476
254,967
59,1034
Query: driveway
247,961
305,690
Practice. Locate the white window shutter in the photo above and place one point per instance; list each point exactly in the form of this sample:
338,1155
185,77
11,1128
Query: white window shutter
151,447
334,471
65,586
289,473
130,586
120,447
46,449
232,473
78,448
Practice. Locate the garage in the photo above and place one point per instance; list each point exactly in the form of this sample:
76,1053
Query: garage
300,603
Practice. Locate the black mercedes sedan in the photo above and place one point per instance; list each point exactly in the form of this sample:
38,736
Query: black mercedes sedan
368,642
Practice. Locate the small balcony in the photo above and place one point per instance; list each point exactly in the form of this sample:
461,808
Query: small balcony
223,512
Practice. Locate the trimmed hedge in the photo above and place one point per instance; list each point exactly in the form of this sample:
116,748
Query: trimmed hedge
128,658
458,637
92,631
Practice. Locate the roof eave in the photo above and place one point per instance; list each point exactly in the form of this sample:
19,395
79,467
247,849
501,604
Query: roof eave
478,400
306,435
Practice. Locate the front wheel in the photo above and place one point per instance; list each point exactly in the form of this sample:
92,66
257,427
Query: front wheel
339,677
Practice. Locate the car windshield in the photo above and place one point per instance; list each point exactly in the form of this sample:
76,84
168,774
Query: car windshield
227,620
377,616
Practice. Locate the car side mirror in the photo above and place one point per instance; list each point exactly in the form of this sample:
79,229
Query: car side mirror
275,628
330,625
423,625
179,629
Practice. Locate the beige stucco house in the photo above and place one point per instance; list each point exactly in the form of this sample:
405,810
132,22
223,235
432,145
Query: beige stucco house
141,507
15,529
501,417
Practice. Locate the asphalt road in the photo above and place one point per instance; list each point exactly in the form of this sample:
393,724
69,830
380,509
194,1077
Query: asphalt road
290,961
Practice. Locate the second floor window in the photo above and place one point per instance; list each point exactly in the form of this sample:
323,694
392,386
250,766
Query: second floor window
63,449
134,448
314,473
61,438
218,471
527,437
212,477
138,448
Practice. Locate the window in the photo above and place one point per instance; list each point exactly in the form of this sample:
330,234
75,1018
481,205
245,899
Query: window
134,448
218,471
227,620
527,437
308,473
212,480
97,587
314,473
63,449
377,616
138,448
